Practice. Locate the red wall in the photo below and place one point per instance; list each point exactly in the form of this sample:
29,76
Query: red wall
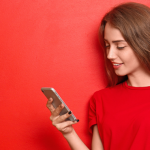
54,44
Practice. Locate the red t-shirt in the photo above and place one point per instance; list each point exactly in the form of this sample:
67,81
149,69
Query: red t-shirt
122,114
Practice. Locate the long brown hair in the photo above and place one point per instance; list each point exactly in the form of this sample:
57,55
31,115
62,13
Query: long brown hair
133,21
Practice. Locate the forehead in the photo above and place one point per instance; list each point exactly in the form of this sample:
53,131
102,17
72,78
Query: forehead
112,34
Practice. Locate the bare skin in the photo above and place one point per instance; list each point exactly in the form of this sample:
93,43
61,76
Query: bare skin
65,127
118,51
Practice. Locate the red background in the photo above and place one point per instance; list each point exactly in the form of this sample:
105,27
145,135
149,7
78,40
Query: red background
45,43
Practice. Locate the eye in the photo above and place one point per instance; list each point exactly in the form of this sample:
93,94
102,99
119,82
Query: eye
121,48
107,46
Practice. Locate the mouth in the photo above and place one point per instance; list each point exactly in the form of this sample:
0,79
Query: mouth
116,66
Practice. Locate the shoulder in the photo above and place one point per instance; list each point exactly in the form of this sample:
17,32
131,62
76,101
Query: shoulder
102,98
109,91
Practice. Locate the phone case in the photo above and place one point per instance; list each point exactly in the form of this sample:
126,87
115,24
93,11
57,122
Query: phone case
51,92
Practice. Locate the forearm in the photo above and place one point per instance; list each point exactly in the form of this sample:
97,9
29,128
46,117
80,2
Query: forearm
75,142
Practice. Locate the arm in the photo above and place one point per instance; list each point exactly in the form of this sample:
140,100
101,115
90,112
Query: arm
75,142
65,127
96,140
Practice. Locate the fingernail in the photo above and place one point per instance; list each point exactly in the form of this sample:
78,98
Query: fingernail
77,120
62,105
69,112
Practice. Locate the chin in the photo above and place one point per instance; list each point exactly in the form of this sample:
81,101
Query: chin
119,73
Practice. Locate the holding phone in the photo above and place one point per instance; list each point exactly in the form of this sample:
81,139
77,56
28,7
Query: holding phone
51,93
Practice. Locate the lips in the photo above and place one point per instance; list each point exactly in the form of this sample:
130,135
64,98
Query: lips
115,63
117,66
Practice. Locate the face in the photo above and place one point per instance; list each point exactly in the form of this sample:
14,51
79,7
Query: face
120,53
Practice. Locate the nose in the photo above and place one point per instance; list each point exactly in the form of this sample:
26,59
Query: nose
111,53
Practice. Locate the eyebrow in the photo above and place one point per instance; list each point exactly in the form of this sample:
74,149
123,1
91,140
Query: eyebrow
116,41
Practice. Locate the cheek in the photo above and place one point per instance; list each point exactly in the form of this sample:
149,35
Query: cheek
130,59
125,56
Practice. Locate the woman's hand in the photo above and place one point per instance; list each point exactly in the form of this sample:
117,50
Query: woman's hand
65,127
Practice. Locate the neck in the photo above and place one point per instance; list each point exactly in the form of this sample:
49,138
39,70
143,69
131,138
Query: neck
141,79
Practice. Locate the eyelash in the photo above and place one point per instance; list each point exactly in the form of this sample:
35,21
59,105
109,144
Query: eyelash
120,48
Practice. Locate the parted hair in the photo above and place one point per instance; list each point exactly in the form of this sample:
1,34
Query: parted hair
133,21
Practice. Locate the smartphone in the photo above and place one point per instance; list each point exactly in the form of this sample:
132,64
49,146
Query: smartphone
51,93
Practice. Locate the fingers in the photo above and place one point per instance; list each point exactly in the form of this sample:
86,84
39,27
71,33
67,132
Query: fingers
55,117
57,111
63,125
62,118
49,105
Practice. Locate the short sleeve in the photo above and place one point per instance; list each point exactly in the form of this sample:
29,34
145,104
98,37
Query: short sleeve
95,111
92,113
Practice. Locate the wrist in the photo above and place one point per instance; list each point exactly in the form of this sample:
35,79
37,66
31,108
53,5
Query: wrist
69,135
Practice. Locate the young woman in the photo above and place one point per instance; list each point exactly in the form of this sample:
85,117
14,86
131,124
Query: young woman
119,114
